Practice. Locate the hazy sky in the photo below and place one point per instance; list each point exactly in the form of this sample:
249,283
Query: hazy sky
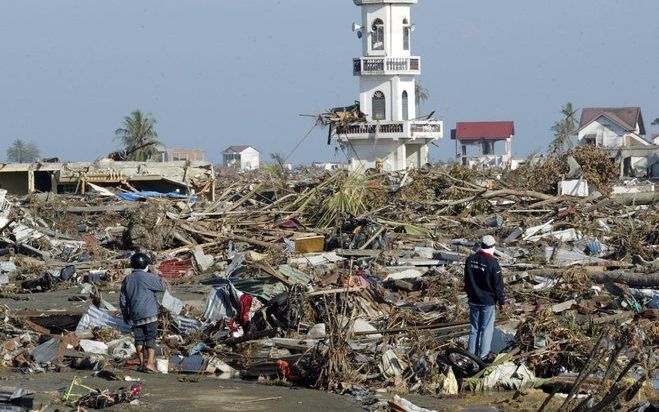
221,72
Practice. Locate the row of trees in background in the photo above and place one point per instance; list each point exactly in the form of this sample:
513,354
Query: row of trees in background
21,151
137,136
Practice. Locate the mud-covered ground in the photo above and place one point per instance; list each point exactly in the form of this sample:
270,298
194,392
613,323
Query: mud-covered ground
202,393
178,392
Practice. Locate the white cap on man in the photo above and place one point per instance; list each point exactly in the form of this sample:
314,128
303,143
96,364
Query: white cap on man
488,241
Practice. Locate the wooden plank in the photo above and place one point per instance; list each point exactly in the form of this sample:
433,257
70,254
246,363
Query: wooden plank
358,253
102,209
335,291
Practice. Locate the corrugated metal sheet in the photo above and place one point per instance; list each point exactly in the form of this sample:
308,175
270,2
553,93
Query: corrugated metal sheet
263,287
46,352
185,325
96,318
222,303
9,394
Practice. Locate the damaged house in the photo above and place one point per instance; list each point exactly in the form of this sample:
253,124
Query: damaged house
241,157
483,136
183,177
621,132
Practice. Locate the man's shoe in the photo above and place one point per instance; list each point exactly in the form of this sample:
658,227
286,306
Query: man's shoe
489,359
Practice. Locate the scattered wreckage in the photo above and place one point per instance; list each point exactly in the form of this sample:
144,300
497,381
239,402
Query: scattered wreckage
349,283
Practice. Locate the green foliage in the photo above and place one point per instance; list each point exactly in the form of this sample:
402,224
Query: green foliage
655,122
138,137
421,95
350,195
21,151
563,130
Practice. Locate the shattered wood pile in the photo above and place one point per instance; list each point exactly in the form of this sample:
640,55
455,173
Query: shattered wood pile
350,283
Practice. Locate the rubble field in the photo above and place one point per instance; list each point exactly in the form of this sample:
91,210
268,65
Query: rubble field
347,284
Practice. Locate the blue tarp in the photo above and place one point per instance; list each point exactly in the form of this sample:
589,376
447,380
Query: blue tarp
137,196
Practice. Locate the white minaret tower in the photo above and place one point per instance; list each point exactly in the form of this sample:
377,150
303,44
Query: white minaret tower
392,138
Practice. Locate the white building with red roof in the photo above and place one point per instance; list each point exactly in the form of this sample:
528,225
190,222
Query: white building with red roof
483,136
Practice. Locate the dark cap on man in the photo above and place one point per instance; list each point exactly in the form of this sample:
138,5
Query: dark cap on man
139,261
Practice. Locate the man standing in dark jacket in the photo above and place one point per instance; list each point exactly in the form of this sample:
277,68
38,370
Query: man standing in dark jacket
139,307
484,287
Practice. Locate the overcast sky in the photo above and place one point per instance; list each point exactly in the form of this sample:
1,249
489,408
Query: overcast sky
220,72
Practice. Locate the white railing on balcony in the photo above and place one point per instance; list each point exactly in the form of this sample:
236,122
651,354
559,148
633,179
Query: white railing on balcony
409,129
365,2
386,65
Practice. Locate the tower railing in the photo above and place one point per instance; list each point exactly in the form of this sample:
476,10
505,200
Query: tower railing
406,129
378,66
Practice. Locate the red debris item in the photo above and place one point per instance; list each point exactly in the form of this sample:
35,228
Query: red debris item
285,370
567,212
135,390
90,240
245,305
290,224
175,268
232,326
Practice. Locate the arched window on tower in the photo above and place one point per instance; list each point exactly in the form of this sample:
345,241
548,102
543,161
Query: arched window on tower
379,106
377,35
406,106
406,34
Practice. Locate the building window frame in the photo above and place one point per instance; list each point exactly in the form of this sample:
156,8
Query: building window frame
377,35
379,102
407,33
405,102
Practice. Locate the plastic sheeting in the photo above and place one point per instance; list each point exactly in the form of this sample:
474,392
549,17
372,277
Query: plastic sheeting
506,376
562,257
137,196
172,304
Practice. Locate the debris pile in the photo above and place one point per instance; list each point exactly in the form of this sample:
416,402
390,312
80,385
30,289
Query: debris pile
347,282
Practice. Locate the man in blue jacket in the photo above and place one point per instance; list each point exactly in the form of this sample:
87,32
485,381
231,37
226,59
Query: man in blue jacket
139,307
484,287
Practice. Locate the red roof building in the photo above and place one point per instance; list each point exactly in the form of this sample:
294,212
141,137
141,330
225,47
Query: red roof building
483,131
483,135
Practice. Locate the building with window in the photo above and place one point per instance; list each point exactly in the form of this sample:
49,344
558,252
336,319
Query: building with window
184,177
612,127
169,155
482,136
384,130
241,157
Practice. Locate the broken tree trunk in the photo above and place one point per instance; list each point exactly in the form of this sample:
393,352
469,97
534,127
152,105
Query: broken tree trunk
637,280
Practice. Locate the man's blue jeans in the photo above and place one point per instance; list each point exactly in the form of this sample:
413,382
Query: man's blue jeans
481,318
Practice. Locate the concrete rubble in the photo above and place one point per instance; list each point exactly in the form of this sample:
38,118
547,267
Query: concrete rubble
348,283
